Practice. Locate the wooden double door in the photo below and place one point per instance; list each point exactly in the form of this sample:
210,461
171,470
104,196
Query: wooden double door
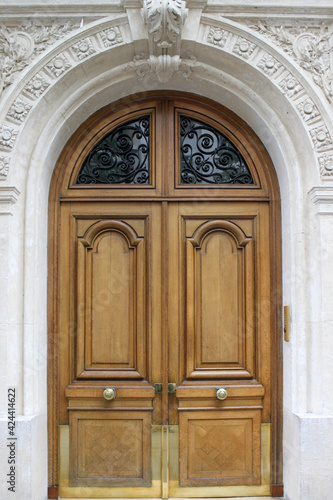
164,322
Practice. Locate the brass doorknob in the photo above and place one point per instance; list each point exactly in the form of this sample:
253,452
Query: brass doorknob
109,393
221,393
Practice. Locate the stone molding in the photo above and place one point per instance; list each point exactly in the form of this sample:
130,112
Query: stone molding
8,197
39,74
164,29
322,199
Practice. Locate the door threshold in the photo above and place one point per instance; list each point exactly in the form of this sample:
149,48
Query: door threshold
160,498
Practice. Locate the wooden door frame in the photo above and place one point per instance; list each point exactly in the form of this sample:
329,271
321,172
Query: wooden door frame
58,190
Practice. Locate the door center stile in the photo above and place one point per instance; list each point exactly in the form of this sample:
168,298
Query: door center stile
164,313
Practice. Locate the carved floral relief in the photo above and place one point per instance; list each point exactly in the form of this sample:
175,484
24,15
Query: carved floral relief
8,136
4,166
111,37
310,46
19,45
19,110
326,165
59,65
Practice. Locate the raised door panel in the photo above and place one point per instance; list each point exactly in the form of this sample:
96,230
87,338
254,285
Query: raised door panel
112,298
220,448
111,301
219,300
110,448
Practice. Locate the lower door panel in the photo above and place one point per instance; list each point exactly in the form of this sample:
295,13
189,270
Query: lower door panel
110,448
219,447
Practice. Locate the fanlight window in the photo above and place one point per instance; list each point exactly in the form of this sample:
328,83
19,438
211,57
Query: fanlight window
122,157
208,157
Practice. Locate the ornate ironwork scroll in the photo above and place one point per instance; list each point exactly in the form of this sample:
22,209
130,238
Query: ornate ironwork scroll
208,157
122,157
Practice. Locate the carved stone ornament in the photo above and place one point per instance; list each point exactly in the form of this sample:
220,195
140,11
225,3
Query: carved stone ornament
243,47
217,36
111,36
164,19
59,65
309,46
84,48
37,86
19,45
163,67
321,138
19,110
4,166
8,136
326,165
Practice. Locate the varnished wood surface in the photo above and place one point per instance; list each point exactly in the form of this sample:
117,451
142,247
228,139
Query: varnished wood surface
277,490
195,276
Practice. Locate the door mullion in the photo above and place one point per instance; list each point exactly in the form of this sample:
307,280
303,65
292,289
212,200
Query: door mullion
164,312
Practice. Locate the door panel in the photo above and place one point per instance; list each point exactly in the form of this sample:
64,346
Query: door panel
219,448
219,307
110,448
211,259
111,301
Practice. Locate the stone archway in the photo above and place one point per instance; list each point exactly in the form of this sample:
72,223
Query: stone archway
61,100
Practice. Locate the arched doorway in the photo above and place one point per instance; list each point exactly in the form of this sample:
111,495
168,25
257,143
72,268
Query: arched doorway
164,305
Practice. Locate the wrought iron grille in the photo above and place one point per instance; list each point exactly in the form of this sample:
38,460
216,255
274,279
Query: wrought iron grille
121,157
208,157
